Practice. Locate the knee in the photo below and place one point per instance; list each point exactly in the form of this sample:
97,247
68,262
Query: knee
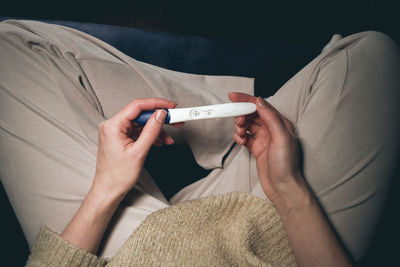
4,33
9,38
379,47
377,58
377,38
374,57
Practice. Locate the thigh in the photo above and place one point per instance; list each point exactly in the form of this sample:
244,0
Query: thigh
344,105
57,84
49,115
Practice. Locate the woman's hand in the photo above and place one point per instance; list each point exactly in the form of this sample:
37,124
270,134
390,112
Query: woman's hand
271,138
124,145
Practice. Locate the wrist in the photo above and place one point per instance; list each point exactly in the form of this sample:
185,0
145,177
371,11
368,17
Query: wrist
87,227
103,189
293,195
102,198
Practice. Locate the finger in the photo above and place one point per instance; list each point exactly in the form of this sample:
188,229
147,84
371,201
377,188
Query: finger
289,126
158,142
130,131
135,131
244,121
134,108
271,118
165,138
242,97
246,140
257,120
240,121
240,140
249,142
151,131
160,138
240,131
255,130
178,125
251,116
251,127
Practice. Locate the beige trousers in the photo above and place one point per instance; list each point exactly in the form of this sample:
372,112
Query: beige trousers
57,84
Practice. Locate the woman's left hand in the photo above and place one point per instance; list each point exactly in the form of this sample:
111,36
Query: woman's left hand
124,145
271,139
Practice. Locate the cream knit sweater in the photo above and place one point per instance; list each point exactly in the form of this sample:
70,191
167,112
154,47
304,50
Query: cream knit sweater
235,229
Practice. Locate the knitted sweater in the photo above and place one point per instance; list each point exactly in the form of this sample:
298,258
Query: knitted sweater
234,229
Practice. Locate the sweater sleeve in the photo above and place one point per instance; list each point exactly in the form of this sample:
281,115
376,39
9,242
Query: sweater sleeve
51,250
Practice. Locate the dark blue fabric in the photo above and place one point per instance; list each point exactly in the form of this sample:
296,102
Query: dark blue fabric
198,55
190,54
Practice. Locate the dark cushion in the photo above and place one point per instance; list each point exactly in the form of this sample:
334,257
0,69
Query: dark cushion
273,63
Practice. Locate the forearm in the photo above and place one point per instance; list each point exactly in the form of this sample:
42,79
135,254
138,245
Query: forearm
120,156
87,227
312,239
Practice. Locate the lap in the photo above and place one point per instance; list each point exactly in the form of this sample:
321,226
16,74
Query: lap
343,105
56,86
48,138
55,93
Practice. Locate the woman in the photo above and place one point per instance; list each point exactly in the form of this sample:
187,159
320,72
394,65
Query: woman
324,106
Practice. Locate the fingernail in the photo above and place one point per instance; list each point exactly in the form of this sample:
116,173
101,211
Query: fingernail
242,141
261,102
160,115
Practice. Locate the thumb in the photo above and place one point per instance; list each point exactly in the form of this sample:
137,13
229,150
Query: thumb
151,130
271,118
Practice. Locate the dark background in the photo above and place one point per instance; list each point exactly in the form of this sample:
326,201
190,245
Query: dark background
258,20
309,23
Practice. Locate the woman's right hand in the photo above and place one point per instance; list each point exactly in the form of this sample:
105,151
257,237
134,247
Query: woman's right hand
271,138
124,145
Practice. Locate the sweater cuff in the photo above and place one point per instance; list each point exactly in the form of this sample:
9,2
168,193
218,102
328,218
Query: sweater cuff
51,250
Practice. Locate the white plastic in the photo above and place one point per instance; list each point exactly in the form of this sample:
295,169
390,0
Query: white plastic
211,112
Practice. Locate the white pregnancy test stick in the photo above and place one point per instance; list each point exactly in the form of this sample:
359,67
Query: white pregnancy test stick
203,112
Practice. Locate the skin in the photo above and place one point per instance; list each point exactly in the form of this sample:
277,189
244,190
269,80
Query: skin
123,147
122,150
272,141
